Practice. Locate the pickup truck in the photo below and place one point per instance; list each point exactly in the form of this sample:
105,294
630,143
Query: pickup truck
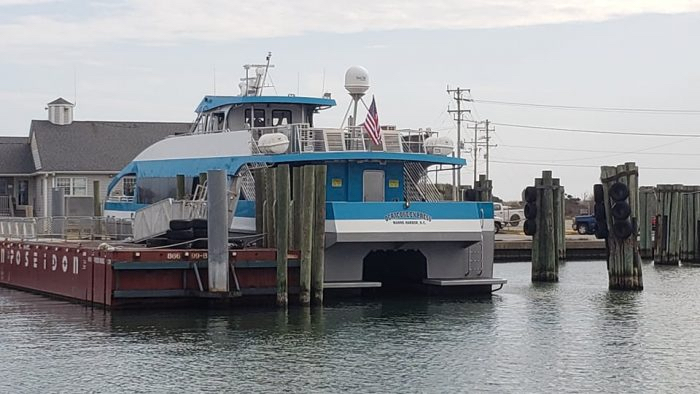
584,224
498,223
510,216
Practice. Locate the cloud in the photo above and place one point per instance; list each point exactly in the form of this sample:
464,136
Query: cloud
163,22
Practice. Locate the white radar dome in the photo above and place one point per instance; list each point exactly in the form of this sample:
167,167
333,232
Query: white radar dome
273,143
439,145
356,80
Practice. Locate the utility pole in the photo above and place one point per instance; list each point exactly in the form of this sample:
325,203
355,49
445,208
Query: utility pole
478,144
476,149
487,149
457,183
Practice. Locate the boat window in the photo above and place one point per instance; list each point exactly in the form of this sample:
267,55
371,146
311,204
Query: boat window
152,190
281,117
259,118
217,121
129,185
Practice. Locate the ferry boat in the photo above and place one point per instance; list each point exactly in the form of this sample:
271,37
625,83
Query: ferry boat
386,222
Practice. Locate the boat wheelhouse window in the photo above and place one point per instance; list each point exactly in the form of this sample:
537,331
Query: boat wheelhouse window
281,117
259,118
129,185
152,190
216,121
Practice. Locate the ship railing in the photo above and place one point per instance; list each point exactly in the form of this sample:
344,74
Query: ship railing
116,198
418,186
66,228
154,220
306,139
414,140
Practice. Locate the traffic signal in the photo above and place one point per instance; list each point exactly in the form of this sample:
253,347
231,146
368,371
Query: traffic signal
530,197
601,228
620,210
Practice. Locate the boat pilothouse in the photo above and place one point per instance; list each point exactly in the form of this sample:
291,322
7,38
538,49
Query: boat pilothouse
386,222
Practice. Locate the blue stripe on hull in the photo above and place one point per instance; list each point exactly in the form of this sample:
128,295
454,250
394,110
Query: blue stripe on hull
444,210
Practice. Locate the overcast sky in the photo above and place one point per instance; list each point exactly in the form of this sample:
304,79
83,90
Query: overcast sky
154,60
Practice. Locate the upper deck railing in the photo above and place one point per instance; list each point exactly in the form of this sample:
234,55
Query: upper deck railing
306,139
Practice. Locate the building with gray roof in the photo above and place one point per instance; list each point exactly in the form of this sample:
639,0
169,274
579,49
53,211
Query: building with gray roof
71,155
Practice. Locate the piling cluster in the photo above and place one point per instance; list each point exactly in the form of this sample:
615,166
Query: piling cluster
291,214
676,224
620,198
544,221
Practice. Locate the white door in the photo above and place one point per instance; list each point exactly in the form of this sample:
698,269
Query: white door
373,185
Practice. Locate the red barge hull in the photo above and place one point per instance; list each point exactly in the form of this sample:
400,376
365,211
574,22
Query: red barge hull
136,276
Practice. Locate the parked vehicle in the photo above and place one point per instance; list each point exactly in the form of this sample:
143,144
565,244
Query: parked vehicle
511,216
585,224
498,223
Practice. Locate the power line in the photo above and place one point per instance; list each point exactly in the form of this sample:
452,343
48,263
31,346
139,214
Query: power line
530,163
571,130
600,151
586,108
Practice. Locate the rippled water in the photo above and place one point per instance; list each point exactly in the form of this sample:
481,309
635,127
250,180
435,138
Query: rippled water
574,336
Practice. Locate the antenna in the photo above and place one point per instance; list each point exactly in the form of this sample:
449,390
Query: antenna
267,67
75,85
323,85
215,80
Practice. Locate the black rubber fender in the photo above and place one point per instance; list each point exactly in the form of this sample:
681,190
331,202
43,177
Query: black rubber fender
622,229
620,210
180,224
180,235
199,224
529,227
530,194
618,191
530,211
598,195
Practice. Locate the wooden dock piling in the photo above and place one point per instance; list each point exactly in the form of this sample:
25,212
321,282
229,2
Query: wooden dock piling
97,204
647,212
667,248
559,220
690,215
282,231
180,187
545,254
297,207
620,189
308,200
319,234
269,207
484,189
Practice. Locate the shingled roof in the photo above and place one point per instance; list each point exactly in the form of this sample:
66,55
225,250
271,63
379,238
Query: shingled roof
96,146
60,101
15,156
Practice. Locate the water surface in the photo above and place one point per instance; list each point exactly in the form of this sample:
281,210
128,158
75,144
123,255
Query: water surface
573,336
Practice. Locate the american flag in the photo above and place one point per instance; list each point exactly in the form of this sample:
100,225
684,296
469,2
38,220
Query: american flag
371,125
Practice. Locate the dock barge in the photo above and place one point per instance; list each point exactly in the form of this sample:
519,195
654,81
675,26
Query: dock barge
94,274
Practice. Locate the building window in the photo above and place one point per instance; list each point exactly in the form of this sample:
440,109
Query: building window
281,117
259,118
72,186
